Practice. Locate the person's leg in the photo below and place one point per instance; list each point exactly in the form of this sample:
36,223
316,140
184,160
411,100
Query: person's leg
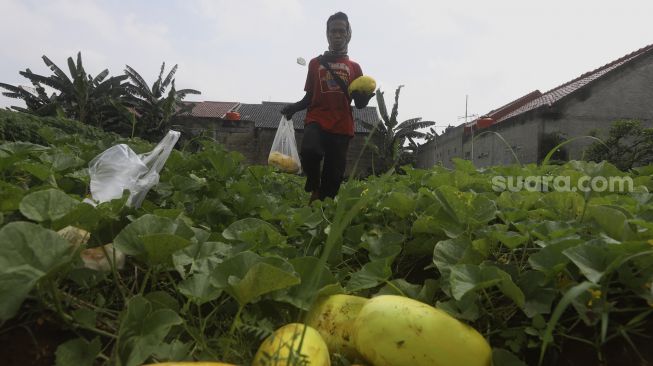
335,162
311,154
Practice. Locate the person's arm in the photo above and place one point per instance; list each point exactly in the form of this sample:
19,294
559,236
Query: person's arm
291,109
361,99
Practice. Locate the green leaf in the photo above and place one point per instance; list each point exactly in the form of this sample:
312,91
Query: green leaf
195,264
47,205
315,278
596,259
259,280
510,239
199,288
200,258
402,287
63,161
426,225
15,284
382,244
613,221
549,230
465,308
371,275
130,239
78,352
466,207
24,243
466,278
175,351
142,331
40,171
10,196
538,296
448,253
85,317
501,357
258,233
246,276
160,247
162,300
550,260
562,205
399,203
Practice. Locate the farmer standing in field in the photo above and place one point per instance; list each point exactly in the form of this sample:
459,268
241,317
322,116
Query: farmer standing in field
329,123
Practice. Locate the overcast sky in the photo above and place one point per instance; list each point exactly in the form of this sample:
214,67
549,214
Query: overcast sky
246,50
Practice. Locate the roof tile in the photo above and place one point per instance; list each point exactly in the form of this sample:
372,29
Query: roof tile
210,109
563,90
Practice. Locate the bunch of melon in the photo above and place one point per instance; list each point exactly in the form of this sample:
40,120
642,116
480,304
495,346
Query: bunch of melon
383,331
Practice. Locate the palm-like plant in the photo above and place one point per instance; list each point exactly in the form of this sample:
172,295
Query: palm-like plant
80,96
392,136
153,106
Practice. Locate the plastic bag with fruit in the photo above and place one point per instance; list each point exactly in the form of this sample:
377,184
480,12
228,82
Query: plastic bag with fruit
283,154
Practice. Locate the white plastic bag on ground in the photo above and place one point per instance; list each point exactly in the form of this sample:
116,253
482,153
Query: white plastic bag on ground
284,154
119,168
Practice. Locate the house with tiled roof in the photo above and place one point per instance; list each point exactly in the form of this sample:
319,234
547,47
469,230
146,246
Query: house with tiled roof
250,128
588,104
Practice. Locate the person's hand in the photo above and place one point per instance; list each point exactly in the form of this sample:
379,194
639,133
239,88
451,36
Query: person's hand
361,99
288,111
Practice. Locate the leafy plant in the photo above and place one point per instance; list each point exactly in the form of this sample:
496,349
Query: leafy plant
221,253
628,145
153,106
79,96
394,135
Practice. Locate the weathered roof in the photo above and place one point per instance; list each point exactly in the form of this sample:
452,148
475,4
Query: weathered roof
504,110
268,115
565,89
210,109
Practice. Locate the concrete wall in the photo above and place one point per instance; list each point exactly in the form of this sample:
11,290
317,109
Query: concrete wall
625,94
489,149
447,146
255,143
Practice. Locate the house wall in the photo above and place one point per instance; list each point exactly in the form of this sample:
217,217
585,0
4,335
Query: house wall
442,151
255,143
626,93
521,135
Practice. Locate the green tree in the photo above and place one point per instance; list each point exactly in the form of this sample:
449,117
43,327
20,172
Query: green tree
86,98
628,145
154,107
392,137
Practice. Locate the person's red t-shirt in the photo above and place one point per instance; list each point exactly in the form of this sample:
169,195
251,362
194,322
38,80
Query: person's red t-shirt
329,105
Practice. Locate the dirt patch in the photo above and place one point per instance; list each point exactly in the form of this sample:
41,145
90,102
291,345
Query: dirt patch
31,344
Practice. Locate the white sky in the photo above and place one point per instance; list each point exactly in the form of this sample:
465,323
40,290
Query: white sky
246,50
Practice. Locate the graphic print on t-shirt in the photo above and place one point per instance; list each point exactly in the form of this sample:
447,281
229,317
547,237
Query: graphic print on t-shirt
327,83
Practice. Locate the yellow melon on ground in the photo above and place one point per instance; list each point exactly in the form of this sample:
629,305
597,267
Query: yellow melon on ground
293,344
187,363
396,331
333,316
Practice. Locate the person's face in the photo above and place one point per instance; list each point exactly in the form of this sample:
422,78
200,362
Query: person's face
337,34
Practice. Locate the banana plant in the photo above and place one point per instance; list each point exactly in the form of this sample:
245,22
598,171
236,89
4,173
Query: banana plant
391,136
153,106
79,96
